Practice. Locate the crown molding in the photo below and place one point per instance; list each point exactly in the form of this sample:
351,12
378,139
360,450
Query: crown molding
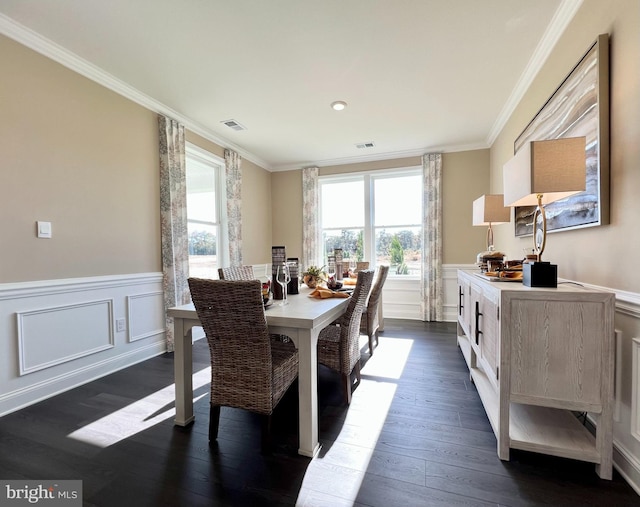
561,19
381,156
57,53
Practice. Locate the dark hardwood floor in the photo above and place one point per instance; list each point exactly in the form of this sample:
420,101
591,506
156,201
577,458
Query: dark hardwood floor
415,434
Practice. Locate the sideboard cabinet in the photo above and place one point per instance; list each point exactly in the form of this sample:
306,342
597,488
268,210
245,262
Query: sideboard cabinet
538,357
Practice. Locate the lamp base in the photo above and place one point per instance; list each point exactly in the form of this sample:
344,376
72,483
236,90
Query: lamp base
539,274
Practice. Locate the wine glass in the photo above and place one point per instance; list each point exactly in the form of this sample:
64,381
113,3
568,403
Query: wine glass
331,275
283,277
352,267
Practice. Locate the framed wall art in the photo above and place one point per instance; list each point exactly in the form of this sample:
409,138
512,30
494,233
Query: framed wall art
579,107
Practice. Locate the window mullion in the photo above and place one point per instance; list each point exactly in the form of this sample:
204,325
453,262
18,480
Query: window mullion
369,222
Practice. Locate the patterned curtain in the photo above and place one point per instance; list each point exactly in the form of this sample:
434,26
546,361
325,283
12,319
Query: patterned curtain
310,219
431,279
234,205
173,218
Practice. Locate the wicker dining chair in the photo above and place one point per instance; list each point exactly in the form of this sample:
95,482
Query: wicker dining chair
236,273
362,265
246,273
339,343
370,323
248,369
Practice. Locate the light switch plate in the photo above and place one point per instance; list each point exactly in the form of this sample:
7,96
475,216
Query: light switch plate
44,229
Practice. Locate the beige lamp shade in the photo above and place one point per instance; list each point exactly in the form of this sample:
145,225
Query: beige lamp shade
490,209
553,169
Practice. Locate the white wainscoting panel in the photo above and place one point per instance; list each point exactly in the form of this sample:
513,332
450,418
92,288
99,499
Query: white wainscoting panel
55,335
59,334
617,378
401,296
635,389
146,315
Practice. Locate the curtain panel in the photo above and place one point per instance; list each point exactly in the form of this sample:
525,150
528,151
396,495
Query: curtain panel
310,218
233,178
431,286
173,218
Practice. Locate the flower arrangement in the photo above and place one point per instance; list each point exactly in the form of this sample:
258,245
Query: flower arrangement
313,276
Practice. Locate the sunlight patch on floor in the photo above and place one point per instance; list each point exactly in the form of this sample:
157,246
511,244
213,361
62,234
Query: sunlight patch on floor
137,416
339,468
334,477
389,358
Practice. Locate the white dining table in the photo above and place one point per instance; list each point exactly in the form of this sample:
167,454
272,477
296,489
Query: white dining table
302,320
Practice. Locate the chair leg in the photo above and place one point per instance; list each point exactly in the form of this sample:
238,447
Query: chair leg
266,434
371,344
346,383
346,387
214,422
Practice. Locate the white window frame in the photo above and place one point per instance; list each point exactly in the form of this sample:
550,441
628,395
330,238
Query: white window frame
368,177
217,165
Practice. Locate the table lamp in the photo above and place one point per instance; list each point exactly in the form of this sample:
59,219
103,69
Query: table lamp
489,210
542,172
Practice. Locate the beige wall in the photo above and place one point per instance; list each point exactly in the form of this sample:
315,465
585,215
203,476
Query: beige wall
465,177
86,159
82,157
256,205
286,191
598,255
257,231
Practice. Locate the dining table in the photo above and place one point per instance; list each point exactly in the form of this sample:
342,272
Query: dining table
302,319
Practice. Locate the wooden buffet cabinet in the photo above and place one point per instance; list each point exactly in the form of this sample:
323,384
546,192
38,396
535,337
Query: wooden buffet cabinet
537,357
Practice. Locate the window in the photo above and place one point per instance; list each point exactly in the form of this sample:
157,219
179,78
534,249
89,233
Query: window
375,217
204,212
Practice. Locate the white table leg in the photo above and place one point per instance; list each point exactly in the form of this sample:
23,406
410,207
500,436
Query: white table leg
307,341
183,373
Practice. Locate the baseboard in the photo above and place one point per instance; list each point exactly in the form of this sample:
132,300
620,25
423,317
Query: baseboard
627,466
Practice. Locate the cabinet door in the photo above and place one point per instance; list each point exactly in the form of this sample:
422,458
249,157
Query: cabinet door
464,310
556,351
490,337
475,316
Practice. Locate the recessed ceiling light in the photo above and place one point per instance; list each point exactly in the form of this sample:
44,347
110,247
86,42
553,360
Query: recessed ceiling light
338,105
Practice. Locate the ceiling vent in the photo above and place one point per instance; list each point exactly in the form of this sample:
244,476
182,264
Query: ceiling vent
232,124
361,146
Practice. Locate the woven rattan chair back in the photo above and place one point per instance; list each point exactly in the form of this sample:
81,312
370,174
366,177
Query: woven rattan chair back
232,316
236,273
248,369
361,266
370,323
339,344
